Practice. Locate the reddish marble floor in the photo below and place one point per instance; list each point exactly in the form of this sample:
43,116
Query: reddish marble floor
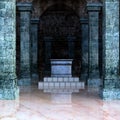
33,104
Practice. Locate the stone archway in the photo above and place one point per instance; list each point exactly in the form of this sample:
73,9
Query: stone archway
111,82
110,63
59,34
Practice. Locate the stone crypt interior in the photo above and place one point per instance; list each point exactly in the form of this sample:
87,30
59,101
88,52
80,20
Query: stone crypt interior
59,56
59,30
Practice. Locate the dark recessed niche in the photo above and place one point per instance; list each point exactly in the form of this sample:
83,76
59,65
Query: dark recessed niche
59,20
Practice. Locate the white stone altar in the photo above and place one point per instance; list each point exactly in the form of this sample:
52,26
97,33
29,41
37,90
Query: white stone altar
61,67
61,84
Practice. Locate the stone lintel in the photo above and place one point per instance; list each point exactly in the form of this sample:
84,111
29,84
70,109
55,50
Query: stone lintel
24,7
35,20
84,21
92,7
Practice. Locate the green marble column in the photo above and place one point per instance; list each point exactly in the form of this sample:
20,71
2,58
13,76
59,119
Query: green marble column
34,47
84,49
111,20
8,79
25,43
93,21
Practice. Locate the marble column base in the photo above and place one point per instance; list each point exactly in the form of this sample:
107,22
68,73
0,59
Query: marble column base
110,94
35,78
84,77
24,81
9,94
60,98
94,84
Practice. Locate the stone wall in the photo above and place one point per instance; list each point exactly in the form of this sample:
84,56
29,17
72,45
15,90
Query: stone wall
8,79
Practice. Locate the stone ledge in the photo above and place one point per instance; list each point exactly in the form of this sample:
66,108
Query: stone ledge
61,79
61,85
61,90
94,6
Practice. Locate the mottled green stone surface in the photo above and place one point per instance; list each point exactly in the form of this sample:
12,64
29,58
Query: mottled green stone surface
111,94
84,49
25,43
111,85
8,79
93,72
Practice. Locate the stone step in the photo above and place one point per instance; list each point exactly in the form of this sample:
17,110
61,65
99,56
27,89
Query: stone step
61,90
61,79
60,85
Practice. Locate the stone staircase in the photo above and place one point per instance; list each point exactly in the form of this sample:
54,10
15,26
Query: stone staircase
61,84
61,80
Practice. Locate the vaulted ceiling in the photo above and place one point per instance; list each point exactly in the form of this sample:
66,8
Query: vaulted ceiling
39,6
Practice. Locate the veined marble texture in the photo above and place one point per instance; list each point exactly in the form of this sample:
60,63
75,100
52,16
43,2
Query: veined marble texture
33,104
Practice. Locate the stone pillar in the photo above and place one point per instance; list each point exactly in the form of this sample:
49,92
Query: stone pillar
25,45
71,41
34,47
93,72
48,41
84,49
8,79
111,20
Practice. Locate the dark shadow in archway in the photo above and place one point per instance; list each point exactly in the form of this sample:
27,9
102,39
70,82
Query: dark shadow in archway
59,38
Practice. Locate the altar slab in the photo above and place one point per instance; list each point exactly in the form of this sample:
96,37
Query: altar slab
61,67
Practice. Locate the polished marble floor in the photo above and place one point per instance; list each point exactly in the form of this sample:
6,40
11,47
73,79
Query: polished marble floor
33,104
